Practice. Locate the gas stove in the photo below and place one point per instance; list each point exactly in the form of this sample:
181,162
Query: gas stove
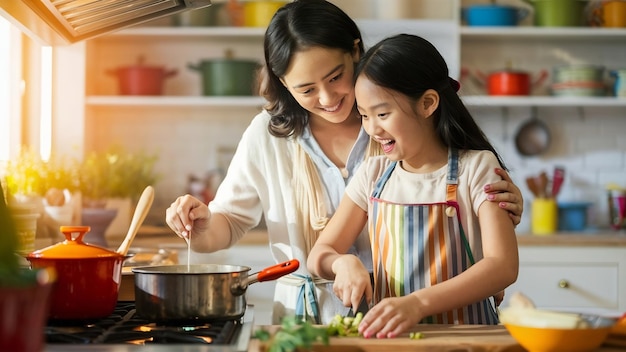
124,331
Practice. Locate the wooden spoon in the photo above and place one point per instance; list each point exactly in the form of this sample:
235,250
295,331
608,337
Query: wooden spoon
143,206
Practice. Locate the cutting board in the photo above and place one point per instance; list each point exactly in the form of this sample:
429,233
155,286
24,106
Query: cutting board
449,338
457,338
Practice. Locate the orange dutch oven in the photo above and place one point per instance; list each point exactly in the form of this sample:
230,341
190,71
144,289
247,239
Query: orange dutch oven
510,82
88,276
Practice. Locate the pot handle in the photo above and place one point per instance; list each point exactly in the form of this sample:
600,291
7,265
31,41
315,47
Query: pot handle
268,274
69,230
279,270
170,73
194,67
522,13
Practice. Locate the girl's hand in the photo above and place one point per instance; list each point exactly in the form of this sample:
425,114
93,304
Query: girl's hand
507,195
352,281
391,317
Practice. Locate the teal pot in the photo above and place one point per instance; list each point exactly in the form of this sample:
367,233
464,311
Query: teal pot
230,77
559,13
494,15
573,216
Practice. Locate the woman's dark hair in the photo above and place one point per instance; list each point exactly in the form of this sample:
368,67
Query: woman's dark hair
411,65
296,26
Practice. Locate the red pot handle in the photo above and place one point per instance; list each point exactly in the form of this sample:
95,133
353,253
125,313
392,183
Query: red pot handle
279,270
170,73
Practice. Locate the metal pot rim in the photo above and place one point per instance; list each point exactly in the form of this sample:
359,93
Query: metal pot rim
194,269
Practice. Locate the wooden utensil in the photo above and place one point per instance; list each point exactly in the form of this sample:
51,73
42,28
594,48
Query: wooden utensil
532,186
143,206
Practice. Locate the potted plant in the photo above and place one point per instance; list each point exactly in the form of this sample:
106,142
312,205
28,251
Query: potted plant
24,293
45,188
117,176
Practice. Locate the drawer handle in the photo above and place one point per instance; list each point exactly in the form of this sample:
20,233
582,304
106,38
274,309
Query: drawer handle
563,283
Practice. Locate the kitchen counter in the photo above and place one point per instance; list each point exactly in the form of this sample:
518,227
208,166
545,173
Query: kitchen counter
147,234
457,338
576,239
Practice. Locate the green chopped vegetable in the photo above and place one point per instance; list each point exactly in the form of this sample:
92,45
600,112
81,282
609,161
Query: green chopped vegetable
416,335
345,326
293,334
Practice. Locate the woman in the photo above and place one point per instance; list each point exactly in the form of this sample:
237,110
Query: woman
294,160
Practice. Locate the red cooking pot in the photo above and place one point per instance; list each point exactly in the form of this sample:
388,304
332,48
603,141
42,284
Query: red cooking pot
141,79
88,276
510,82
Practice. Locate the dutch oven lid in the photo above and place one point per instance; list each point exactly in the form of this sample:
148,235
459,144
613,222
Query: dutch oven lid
73,248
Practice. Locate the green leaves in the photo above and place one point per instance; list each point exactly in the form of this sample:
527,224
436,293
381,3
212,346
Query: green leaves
292,335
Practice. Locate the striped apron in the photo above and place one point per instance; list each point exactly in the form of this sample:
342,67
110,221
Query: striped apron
420,245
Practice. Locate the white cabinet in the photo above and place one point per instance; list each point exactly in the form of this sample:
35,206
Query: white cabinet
572,278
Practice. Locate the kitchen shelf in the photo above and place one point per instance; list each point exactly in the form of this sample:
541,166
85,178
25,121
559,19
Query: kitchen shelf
543,33
175,101
503,101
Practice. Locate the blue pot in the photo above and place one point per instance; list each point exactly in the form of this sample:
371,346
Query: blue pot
573,216
494,15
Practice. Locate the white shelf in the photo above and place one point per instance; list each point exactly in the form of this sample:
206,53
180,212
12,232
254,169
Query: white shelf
255,101
486,100
567,33
188,32
175,101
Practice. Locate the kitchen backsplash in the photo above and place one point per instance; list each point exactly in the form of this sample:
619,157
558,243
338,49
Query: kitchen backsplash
588,142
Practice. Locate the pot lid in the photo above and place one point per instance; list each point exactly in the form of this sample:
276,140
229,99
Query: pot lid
73,247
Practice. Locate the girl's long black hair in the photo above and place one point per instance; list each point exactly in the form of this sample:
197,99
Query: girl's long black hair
296,26
411,65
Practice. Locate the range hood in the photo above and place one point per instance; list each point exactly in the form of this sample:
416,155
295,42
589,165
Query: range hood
55,22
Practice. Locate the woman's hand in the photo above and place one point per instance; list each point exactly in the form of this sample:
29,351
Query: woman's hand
187,215
507,195
352,281
391,317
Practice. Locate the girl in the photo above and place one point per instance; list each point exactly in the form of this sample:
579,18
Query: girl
439,249
294,160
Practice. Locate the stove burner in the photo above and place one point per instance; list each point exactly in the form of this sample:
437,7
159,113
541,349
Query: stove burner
126,328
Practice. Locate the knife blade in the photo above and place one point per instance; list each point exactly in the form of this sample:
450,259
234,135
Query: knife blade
362,308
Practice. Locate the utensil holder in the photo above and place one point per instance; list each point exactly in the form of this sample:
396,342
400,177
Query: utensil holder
544,217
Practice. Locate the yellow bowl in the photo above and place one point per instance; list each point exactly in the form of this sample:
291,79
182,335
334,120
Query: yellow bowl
558,340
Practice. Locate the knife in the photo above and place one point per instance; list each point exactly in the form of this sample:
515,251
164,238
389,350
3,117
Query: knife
362,308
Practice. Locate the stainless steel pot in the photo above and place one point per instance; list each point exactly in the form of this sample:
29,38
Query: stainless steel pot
198,292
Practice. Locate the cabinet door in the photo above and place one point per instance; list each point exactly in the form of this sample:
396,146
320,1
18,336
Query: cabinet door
569,285
571,278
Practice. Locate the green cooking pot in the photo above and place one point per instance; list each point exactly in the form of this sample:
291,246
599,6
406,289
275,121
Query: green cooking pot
231,77
559,13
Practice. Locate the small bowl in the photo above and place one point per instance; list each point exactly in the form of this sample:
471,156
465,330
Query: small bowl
535,339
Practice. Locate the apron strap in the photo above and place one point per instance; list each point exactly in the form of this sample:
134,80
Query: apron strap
452,183
306,298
